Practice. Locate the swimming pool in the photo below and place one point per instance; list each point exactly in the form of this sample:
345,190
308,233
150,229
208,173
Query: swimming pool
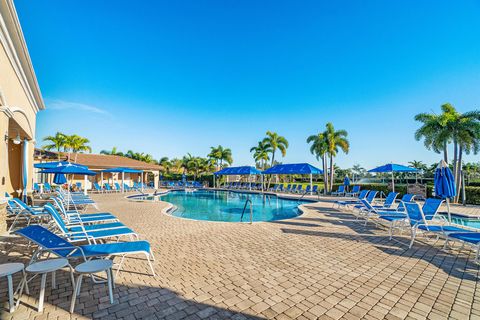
465,221
228,206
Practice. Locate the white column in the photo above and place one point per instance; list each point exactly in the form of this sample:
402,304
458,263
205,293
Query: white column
85,178
123,182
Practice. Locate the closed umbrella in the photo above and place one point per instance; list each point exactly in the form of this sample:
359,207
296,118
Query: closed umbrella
59,178
444,184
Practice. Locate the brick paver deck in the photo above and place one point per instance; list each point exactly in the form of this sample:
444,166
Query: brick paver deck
322,265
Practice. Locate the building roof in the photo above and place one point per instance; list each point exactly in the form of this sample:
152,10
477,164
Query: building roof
104,161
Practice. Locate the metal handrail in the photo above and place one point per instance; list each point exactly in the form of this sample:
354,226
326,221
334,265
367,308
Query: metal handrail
251,210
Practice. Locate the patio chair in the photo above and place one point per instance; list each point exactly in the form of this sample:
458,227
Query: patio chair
294,188
79,186
299,189
466,237
389,201
51,243
354,192
280,188
36,188
96,188
315,189
24,212
408,197
340,191
73,216
370,198
362,195
81,234
47,187
307,189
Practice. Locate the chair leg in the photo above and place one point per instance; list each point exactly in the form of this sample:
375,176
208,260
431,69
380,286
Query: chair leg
42,292
414,233
10,293
110,280
74,295
54,283
151,266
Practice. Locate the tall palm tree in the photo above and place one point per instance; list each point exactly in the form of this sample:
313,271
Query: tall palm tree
113,152
220,155
419,165
335,140
165,163
57,143
276,142
319,148
261,153
77,144
358,170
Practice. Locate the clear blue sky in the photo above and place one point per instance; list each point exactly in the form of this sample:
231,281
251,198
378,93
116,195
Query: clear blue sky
173,77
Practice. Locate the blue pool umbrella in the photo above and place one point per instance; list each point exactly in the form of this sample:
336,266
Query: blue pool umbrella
54,164
59,178
444,184
392,167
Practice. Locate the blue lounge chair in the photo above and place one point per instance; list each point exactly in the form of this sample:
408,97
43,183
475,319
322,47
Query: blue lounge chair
340,191
280,188
415,216
53,244
126,187
294,188
307,190
408,197
466,237
354,192
370,198
299,189
47,187
117,186
83,235
362,195
73,216
288,188
389,201
79,186
24,212
36,188
274,188
315,189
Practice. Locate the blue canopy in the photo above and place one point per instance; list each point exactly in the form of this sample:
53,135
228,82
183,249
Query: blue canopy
59,178
70,169
392,167
295,168
245,170
123,169
50,165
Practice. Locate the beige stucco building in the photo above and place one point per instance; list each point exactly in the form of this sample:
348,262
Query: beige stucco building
20,101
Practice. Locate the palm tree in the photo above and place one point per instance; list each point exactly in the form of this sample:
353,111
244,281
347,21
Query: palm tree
165,163
113,152
77,144
335,140
177,165
274,142
261,153
57,143
319,148
451,126
419,165
357,170
220,154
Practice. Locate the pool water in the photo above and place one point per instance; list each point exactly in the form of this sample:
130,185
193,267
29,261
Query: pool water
465,221
229,206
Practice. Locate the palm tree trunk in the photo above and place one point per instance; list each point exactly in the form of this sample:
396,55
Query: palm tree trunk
445,152
325,173
455,160
331,172
458,175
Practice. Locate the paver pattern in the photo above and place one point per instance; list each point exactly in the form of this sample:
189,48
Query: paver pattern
321,265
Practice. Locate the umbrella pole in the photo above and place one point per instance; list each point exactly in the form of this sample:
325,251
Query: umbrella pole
393,183
311,184
448,210
123,182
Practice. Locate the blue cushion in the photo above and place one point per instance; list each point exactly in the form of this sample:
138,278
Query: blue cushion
472,237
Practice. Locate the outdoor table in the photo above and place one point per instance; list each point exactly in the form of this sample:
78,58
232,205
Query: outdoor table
92,267
43,268
7,270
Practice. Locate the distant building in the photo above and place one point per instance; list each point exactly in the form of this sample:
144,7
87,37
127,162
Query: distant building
100,162
20,100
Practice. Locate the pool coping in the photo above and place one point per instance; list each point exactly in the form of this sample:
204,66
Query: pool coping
170,208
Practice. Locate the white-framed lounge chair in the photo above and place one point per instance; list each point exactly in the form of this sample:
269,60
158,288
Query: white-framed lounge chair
370,198
389,201
51,243
73,216
340,191
421,219
24,212
354,192
84,235
468,237
362,195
